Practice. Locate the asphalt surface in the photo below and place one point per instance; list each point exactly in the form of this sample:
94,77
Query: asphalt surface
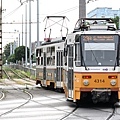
35,103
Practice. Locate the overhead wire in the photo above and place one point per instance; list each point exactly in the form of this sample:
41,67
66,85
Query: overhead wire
14,10
61,12
71,9
67,10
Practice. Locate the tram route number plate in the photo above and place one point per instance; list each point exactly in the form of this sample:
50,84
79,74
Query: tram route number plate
99,80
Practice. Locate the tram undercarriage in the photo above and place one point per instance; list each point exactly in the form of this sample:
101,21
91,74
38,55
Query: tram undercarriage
99,97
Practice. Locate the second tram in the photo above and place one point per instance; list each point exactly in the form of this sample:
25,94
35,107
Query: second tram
49,67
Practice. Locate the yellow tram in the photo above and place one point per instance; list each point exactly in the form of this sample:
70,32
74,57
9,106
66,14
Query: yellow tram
50,64
91,70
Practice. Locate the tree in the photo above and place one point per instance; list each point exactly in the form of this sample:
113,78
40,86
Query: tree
20,53
11,58
7,50
116,21
6,53
3,58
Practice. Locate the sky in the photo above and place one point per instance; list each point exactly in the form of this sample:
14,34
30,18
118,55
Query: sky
68,8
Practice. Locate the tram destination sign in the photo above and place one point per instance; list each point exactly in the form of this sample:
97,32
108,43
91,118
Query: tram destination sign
98,37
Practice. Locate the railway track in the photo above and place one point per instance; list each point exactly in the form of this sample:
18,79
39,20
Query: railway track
107,111
17,88
18,78
73,112
17,107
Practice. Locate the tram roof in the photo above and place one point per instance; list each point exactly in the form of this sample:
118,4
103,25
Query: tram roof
53,41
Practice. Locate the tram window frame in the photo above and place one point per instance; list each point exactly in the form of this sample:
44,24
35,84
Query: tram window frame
77,51
88,39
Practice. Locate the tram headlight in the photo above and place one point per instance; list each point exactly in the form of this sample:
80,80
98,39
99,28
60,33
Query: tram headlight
113,82
86,82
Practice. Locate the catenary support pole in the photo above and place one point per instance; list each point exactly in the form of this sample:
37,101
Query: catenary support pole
30,34
26,35
37,22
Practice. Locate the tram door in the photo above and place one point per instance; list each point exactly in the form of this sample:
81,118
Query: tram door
70,71
59,63
44,68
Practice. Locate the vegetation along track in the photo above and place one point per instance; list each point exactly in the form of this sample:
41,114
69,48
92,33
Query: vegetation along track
14,76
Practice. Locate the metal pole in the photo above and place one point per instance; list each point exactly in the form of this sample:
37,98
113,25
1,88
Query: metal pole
11,48
14,44
26,36
30,33
1,42
22,30
82,9
19,39
119,18
37,22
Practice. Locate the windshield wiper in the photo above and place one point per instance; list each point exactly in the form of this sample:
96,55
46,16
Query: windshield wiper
115,64
116,57
84,62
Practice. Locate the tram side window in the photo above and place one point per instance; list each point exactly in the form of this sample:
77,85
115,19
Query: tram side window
53,60
48,60
38,61
41,60
77,55
51,55
119,54
52,50
48,50
37,51
41,51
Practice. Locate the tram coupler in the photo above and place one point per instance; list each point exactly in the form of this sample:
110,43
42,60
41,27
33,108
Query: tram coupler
100,95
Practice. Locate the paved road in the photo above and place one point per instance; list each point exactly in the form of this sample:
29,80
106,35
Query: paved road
40,104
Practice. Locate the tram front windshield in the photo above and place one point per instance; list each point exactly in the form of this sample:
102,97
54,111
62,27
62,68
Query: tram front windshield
98,50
